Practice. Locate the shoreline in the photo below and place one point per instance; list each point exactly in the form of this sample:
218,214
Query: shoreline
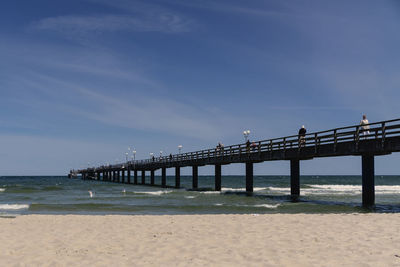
217,240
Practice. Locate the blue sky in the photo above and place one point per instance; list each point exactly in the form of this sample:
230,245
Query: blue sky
83,80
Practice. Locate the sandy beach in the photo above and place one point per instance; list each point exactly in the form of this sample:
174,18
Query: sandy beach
198,240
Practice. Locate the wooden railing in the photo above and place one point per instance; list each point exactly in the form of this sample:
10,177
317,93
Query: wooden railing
355,133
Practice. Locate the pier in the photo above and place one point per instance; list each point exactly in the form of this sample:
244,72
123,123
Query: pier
383,138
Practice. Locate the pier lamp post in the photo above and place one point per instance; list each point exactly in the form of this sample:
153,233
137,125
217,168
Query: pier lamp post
134,154
126,156
246,135
180,148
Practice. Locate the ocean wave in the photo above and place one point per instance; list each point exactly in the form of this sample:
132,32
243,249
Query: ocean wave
209,192
268,206
154,193
357,189
2,189
189,197
387,189
242,189
337,189
14,206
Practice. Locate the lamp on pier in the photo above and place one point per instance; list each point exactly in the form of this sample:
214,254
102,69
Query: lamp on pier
246,134
180,148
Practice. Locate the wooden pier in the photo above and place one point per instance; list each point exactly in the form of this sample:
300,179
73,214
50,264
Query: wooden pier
383,138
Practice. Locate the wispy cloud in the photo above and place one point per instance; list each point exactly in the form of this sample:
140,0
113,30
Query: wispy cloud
254,8
132,17
133,110
78,25
98,86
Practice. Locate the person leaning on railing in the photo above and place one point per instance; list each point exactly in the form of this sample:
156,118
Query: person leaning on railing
302,136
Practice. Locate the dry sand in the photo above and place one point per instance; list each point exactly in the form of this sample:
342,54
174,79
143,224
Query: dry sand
201,240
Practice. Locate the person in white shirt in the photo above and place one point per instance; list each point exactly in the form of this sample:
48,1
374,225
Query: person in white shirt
364,126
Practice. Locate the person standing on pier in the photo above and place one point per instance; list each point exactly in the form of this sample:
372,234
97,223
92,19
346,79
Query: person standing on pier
364,126
302,136
248,146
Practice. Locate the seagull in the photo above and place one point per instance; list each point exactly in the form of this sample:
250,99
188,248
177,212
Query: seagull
123,191
90,193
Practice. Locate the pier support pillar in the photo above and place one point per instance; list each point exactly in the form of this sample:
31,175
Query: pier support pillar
217,177
152,177
135,177
118,176
98,176
368,180
123,176
164,177
113,176
249,178
129,175
295,178
143,177
177,177
195,177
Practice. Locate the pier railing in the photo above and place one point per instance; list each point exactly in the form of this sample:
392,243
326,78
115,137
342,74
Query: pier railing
356,133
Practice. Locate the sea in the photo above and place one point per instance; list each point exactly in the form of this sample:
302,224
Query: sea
318,194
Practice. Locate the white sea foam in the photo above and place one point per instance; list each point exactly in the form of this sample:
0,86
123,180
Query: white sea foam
218,204
209,192
14,206
387,189
229,189
189,196
268,206
2,189
337,190
154,193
